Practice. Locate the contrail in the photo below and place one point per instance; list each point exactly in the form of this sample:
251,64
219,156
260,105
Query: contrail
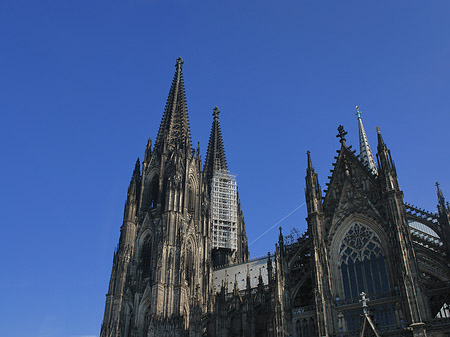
268,230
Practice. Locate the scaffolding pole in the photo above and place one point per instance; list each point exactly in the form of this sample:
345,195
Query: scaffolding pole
224,210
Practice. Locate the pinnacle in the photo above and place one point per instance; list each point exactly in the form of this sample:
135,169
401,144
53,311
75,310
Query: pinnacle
364,147
174,128
310,166
380,137
341,134
215,155
137,168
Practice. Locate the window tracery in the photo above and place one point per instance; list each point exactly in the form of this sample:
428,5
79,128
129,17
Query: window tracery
363,266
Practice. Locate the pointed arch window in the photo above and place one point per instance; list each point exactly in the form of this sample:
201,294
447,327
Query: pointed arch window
154,192
363,266
191,204
146,258
189,264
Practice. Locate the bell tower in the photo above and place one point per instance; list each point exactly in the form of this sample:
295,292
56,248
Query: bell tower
166,283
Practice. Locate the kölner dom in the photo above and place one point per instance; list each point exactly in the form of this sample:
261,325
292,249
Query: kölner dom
369,264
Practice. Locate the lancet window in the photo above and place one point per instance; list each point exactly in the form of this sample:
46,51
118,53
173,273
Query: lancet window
191,204
189,264
363,265
146,257
154,192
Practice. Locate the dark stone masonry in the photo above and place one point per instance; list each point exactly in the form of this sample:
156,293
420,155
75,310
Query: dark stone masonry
368,265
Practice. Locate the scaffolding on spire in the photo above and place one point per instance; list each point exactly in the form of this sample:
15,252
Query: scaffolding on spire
224,210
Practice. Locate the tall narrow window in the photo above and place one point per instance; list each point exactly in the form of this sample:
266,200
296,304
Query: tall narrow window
146,258
189,264
154,192
191,204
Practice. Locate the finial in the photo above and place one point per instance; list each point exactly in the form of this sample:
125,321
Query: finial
378,130
341,134
180,62
358,113
364,300
216,112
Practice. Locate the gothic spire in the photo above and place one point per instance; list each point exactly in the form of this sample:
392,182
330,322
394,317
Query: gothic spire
174,128
364,148
442,207
215,155
386,166
133,193
313,191
381,144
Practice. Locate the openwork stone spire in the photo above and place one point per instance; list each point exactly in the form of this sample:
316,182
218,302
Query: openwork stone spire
364,148
215,155
174,129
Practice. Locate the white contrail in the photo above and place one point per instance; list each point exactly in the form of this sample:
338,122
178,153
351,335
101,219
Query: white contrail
268,230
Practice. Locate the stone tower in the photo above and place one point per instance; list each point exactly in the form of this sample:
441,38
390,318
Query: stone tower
162,268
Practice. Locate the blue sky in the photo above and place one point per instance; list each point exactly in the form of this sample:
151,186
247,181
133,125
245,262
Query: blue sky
83,85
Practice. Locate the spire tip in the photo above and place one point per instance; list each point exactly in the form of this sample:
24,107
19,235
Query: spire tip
358,113
179,63
216,112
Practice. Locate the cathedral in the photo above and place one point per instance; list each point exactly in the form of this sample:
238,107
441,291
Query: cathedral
369,264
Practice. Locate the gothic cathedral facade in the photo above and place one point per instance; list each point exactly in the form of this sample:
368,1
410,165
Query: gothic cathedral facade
368,265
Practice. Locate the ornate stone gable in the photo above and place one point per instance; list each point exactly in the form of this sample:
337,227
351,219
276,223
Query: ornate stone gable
352,189
348,165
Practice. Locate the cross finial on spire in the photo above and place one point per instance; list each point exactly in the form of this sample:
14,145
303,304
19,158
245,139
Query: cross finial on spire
358,113
341,134
180,62
216,112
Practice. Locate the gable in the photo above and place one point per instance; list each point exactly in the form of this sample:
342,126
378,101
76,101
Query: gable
352,188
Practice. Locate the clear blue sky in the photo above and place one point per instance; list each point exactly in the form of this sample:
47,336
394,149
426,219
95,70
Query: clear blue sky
83,85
